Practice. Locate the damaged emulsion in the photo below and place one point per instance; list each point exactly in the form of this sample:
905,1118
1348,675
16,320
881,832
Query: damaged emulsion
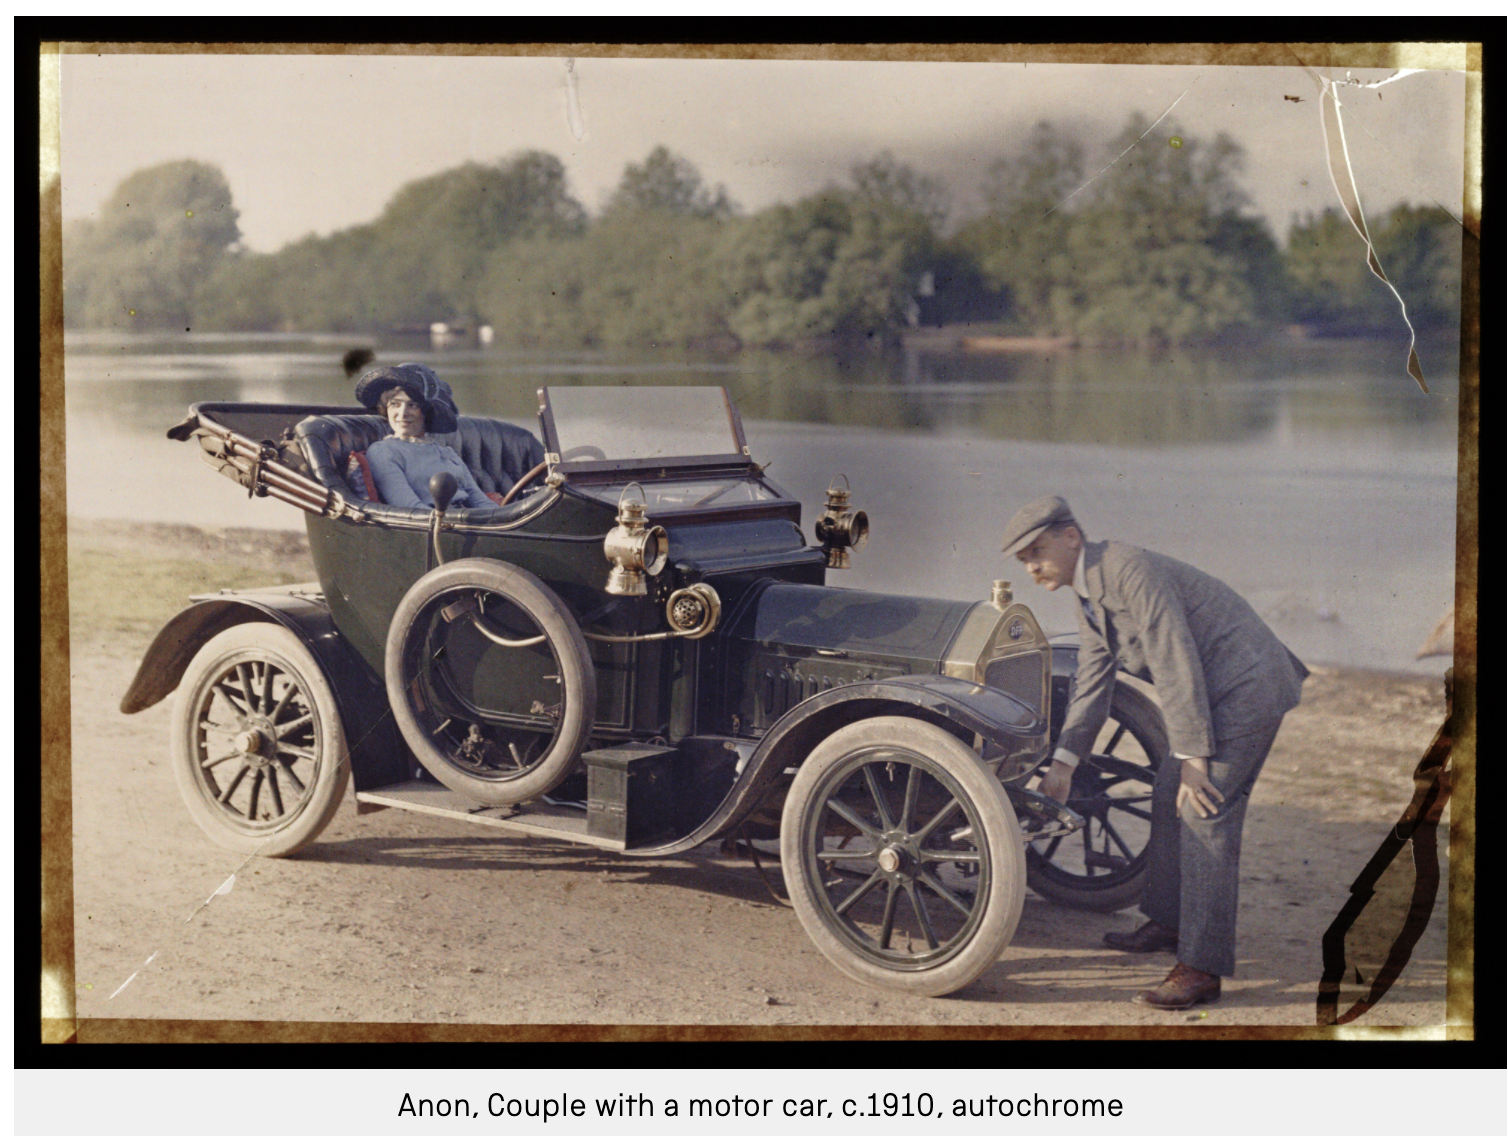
1417,826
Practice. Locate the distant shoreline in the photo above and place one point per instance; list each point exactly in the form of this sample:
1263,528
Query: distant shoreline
964,337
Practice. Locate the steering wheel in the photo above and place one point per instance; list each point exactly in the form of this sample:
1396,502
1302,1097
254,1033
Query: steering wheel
532,475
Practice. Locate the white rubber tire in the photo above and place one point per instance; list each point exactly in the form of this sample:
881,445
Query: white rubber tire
578,678
1001,891
305,770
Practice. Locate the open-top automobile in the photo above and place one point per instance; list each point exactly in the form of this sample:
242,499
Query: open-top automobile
638,650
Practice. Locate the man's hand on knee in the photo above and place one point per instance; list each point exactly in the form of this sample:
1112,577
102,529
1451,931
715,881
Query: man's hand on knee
1056,781
1195,787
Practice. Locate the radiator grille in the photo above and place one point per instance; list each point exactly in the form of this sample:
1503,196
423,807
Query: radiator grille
1021,675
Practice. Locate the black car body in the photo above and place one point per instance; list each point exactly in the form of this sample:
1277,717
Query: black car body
640,651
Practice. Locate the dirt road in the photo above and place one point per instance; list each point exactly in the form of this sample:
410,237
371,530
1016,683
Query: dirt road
397,917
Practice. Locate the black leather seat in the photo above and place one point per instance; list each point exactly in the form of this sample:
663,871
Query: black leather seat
497,453
329,440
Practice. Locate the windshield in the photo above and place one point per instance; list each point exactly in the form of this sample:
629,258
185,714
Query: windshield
702,493
626,426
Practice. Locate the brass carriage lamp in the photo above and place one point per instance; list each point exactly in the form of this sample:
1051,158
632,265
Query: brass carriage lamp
634,548
839,529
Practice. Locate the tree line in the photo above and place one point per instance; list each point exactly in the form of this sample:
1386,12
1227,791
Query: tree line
1156,249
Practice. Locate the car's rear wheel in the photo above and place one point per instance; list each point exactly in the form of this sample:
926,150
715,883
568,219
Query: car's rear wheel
258,748
1103,866
490,681
902,856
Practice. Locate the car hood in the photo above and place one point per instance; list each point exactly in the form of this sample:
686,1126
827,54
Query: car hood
826,619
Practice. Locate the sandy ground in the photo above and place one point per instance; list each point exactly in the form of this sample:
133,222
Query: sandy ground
398,917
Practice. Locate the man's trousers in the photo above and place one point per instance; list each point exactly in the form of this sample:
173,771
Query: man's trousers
1194,862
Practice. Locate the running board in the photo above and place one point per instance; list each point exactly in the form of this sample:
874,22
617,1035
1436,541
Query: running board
533,818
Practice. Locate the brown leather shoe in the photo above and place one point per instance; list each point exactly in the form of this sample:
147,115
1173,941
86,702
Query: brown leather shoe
1145,939
1182,988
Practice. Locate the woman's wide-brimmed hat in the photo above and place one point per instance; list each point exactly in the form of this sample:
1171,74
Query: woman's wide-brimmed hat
422,384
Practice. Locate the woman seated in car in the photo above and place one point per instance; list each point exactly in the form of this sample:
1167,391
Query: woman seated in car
415,403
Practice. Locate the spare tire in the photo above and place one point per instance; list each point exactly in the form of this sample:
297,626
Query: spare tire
490,680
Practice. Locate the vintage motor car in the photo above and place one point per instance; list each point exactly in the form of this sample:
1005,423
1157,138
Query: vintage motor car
639,651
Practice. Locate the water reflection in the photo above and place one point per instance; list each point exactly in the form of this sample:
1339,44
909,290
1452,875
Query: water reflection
1285,391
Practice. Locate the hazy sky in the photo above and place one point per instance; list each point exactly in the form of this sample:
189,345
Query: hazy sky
317,143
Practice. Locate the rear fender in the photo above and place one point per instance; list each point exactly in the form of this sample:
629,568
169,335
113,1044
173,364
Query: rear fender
963,708
180,639
378,755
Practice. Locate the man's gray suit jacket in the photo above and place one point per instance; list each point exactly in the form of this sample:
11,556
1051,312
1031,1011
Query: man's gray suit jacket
1218,669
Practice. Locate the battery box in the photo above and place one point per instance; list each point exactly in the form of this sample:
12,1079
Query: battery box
632,793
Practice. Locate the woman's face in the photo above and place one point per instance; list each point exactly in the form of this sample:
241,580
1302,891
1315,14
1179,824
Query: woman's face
405,416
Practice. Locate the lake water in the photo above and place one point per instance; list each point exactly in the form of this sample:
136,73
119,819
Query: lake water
1314,477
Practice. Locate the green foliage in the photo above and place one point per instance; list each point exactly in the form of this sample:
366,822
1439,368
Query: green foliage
1162,168
885,180
641,275
524,195
161,235
1021,244
1421,248
665,182
633,279
841,265
1041,176
667,265
1247,243
652,280
1334,292
531,292
1136,284
240,295
1158,241
423,260
1153,249
434,238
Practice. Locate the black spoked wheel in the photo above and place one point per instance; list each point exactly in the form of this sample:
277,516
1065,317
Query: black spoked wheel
902,856
490,681
1103,866
258,748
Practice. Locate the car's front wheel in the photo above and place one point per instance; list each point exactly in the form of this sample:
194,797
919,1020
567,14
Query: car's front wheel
258,748
902,856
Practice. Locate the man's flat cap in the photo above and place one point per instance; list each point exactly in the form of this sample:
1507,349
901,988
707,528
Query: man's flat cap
1032,520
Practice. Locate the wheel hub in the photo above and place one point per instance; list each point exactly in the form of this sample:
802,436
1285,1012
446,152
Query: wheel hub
256,744
896,859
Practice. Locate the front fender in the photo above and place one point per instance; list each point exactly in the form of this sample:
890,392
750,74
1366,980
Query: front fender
997,716
1007,724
